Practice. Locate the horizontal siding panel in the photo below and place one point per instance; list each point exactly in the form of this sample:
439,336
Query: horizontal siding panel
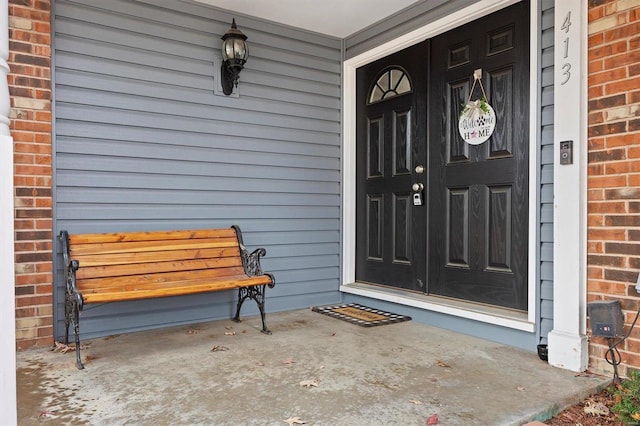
211,183
146,112
103,132
546,271
193,211
286,290
546,252
189,169
546,154
546,175
71,82
546,290
546,193
177,150
117,118
546,213
146,196
546,309
248,226
546,233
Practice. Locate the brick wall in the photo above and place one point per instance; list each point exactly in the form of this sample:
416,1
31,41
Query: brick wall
30,90
614,166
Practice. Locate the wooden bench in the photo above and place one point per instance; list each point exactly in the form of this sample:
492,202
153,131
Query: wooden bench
112,267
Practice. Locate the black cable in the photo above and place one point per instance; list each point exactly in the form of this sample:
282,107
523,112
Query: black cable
612,356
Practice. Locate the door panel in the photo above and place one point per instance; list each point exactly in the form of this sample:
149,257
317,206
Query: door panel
478,195
391,142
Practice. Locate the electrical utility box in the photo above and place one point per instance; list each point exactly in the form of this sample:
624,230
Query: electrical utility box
606,318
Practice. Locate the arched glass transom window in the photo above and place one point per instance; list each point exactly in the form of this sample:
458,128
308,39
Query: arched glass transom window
392,82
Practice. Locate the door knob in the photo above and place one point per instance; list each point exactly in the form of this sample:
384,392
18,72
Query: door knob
420,169
417,187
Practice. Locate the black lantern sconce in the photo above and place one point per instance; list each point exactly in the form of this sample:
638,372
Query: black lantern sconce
235,52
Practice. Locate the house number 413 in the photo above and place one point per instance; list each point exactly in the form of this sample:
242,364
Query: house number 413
566,67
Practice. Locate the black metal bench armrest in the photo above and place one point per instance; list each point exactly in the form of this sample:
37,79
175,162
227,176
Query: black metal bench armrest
70,268
251,261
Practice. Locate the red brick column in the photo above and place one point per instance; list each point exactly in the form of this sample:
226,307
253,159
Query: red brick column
30,90
614,167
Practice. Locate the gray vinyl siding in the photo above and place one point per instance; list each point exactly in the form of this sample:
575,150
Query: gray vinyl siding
546,170
142,143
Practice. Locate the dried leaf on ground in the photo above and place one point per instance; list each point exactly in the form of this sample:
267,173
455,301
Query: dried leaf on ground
596,409
309,383
433,419
415,401
442,364
229,333
62,348
289,361
576,415
520,388
295,421
219,348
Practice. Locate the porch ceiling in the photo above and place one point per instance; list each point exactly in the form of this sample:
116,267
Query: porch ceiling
338,18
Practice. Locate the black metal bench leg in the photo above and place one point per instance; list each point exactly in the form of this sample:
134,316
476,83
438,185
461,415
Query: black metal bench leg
76,332
242,296
256,293
67,320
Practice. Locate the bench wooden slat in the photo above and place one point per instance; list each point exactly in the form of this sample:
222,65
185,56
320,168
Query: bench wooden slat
87,260
151,236
140,246
140,275
173,290
152,268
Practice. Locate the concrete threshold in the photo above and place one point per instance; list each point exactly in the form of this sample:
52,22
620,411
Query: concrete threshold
314,369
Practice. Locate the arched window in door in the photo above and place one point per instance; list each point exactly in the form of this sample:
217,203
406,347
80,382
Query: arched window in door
392,82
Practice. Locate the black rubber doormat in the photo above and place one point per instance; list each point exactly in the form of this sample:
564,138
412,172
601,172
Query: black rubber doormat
360,315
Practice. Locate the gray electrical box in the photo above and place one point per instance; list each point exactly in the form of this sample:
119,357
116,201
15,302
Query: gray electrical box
606,318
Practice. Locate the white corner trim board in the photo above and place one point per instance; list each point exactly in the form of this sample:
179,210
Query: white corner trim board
8,402
568,347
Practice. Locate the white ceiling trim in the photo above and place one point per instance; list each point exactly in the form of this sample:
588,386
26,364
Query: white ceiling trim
337,18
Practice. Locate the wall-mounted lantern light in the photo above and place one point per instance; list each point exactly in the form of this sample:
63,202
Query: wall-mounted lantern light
234,55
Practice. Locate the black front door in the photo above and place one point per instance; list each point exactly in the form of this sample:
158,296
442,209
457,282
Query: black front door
478,194
391,143
469,238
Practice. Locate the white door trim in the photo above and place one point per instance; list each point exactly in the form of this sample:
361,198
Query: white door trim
456,19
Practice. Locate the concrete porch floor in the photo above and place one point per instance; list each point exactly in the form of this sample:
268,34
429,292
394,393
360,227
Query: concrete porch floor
397,374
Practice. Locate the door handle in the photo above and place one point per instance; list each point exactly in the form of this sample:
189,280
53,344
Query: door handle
417,187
